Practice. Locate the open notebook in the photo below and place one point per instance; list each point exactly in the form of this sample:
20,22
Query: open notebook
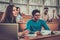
45,32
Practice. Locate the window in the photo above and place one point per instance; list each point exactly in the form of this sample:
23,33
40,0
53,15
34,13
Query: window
36,2
50,2
3,7
4,0
20,1
27,6
59,2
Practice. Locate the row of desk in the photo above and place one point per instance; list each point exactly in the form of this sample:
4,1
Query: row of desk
52,25
46,37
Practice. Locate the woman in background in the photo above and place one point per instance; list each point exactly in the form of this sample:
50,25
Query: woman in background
19,16
10,15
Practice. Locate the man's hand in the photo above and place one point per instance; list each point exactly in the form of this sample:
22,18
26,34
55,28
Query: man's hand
37,33
25,32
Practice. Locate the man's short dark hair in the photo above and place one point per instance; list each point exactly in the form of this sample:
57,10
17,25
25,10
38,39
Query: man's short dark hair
35,11
45,7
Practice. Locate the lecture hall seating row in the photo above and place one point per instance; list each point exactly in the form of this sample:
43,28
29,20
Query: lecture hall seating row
52,25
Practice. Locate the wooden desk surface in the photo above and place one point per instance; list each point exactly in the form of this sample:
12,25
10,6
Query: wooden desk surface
46,37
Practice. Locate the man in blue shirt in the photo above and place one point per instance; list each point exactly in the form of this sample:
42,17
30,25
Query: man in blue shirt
36,24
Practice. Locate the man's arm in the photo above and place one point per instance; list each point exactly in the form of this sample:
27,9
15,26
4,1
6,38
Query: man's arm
28,27
45,25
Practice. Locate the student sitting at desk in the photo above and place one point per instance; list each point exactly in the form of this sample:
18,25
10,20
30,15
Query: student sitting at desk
10,15
45,15
35,24
19,18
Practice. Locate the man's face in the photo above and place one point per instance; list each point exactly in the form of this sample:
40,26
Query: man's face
37,16
46,11
53,11
18,10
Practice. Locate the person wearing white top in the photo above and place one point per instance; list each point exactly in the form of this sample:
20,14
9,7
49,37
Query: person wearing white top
45,15
55,16
19,18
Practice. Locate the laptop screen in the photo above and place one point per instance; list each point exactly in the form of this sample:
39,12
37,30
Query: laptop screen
8,31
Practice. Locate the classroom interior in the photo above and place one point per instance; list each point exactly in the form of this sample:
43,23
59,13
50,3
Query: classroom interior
26,7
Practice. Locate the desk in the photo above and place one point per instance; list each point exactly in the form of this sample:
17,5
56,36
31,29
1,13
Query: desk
47,37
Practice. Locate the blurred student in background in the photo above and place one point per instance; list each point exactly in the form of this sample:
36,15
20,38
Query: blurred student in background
19,16
45,15
55,16
10,15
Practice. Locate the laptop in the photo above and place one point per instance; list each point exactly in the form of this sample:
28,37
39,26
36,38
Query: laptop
8,31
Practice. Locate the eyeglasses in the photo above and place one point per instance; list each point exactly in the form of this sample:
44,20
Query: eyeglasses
37,15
